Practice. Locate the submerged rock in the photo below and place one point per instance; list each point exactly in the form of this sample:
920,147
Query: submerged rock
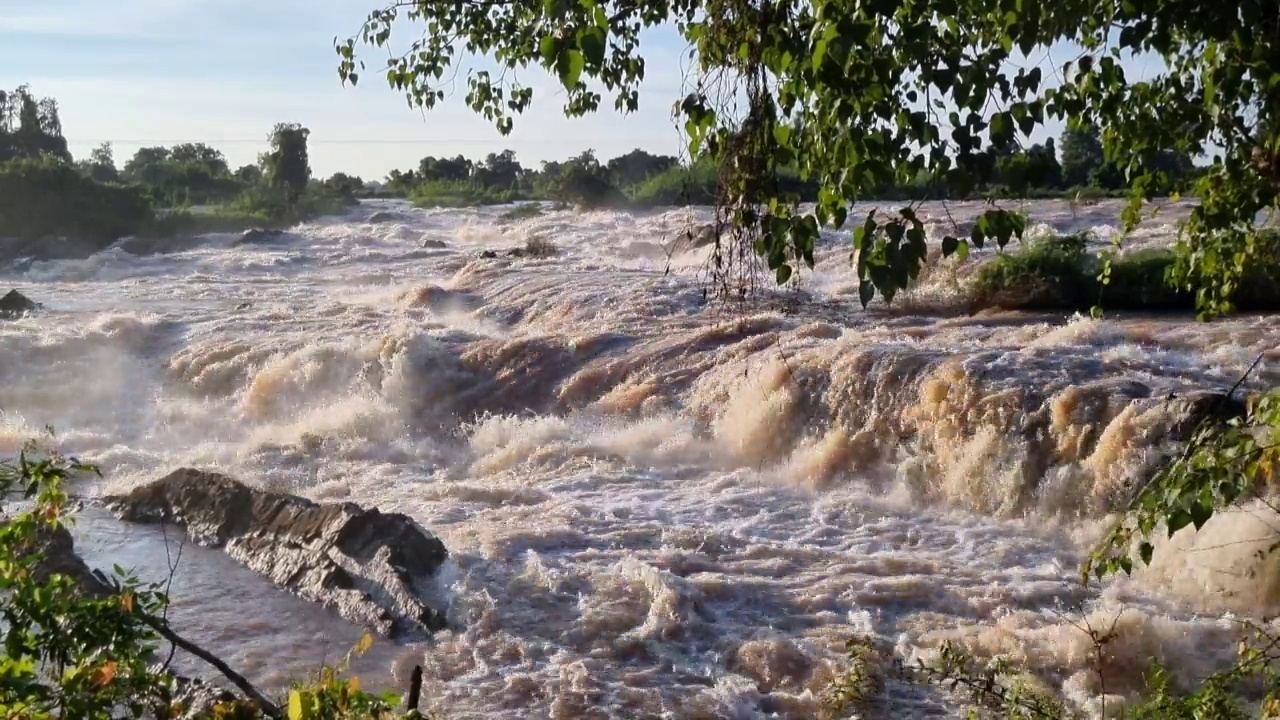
374,568
431,244
15,304
382,216
259,236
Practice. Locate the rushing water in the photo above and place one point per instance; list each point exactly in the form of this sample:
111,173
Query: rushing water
656,506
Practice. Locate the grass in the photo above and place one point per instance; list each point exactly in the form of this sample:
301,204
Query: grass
244,213
523,211
1058,273
455,194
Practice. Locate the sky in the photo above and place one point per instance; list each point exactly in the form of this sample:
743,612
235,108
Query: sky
161,72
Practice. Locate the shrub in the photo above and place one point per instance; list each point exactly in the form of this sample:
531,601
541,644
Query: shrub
461,193
49,198
521,212
1057,273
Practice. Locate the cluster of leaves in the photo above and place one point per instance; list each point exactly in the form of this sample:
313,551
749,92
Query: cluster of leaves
68,654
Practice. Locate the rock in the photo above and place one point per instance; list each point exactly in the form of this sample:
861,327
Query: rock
382,216
15,305
430,244
488,255
144,246
60,558
259,236
49,248
374,568
699,236
1192,408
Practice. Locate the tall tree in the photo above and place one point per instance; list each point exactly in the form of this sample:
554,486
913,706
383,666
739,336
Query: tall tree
287,166
1081,154
101,164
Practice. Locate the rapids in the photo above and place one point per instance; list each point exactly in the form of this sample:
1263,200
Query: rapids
657,506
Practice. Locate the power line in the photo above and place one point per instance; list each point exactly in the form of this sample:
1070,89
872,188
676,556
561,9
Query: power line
265,141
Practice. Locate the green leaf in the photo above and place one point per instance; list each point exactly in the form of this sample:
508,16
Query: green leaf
1001,129
949,246
783,274
547,48
592,41
569,64
1145,550
866,291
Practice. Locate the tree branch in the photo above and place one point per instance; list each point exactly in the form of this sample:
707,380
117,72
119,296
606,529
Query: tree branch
268,708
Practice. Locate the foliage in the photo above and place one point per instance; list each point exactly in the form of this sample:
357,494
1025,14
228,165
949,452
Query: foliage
524,211
67,654
101,165
50,198
30,127
453,193
1058,273
933,90
185,174
287,165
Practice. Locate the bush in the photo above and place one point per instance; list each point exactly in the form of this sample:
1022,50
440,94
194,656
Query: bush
46,198
521,212
680,186
1058,274
462,193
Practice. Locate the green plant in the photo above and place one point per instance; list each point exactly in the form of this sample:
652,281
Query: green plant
523,211
67,652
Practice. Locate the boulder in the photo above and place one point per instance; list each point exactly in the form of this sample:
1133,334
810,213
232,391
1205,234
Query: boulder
382,216
15,305
430,244
488,255
374,568
259,236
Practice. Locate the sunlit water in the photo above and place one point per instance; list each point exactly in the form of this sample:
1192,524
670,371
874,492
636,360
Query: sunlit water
656,507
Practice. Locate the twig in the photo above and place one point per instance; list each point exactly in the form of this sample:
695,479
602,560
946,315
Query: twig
415,688
268,708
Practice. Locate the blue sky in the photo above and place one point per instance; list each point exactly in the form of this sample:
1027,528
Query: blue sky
148,72
159,72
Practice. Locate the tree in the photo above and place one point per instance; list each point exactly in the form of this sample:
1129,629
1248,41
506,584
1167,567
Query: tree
1081,154
249,174
500,169
637,166
287,166
30,127
101,165
867,95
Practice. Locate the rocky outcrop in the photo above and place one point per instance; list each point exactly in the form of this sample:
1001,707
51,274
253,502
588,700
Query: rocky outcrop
259,236
49,248
377,569
14,305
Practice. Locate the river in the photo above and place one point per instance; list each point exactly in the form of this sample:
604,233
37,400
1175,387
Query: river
657,506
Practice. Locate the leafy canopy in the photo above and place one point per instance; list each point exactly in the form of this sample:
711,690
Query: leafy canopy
860,95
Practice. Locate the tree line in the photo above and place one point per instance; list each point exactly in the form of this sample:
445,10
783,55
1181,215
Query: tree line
646,179
45,192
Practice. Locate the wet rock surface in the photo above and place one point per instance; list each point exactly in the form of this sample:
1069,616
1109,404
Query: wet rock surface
14,305
259,236
377,569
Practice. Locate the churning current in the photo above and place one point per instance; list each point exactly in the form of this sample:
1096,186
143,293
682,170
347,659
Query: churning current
657,506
